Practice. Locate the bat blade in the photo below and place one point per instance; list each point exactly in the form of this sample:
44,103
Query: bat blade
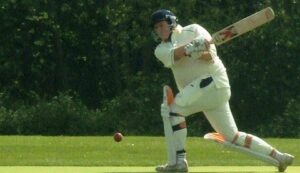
242,26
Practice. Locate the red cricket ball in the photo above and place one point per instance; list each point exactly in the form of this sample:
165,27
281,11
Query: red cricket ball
118,137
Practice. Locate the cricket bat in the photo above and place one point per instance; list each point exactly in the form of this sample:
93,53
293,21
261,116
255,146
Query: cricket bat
242,26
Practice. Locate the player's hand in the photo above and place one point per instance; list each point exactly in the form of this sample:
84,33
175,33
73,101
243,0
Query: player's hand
196,46
206,56
164,110
199,44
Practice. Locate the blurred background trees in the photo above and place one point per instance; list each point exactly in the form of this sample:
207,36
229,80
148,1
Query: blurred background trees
87,67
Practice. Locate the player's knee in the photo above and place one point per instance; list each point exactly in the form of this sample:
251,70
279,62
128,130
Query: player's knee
169,99
228,133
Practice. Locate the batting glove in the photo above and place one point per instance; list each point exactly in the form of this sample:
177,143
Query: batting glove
197,45
164,110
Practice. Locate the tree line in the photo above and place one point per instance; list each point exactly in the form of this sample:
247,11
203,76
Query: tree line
87,67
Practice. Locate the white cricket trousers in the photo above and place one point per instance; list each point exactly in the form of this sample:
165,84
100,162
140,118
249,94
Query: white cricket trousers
214,103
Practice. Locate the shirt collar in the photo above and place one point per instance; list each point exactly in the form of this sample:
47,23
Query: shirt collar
178,29
175,32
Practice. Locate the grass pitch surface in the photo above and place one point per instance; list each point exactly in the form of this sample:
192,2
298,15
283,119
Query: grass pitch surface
195,169
38,154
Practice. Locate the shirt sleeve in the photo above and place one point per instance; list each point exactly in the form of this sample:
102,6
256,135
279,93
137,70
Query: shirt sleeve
201,32
165,53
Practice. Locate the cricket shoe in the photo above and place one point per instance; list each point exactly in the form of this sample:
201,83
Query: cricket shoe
284,161
181,166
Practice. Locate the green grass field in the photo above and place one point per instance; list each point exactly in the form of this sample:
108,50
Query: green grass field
133,154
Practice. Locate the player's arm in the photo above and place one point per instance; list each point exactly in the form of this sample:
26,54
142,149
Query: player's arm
169,55
179,53
182,51
206,56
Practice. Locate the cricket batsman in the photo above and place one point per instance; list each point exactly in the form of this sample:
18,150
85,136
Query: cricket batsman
203,86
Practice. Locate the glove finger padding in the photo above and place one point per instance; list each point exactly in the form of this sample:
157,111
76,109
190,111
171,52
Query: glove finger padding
197,45
189,49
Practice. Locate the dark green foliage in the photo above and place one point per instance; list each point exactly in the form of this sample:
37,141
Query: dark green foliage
6,122
61,115
102,52
291,119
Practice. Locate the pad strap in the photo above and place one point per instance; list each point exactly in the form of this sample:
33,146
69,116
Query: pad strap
179,126
248,141
174,114
180,151
237,135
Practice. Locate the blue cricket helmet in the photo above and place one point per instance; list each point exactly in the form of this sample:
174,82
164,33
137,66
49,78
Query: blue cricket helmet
164,15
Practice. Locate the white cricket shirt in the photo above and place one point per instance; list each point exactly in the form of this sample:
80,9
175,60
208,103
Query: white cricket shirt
187,69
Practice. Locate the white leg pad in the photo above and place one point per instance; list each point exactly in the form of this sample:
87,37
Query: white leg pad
171,150
169,136
220,139
179,132
252,142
